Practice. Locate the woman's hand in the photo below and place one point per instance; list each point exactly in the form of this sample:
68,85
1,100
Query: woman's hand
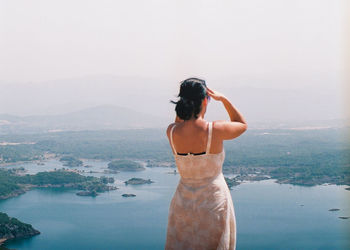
215,95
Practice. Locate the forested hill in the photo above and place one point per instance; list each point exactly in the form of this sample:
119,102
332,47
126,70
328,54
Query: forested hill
93,118
11,228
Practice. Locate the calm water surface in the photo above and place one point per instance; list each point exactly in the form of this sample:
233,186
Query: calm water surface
269,215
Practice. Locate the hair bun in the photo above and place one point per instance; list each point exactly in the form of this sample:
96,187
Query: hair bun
185,108
192,92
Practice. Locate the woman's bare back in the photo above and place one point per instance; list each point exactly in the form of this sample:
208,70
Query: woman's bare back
191,137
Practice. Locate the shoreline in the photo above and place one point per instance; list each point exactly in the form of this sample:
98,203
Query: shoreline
29,187
5,164
239,177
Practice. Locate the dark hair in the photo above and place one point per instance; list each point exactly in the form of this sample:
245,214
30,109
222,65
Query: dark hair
192,92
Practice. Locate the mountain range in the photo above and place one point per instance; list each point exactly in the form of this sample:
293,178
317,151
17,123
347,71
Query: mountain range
93,118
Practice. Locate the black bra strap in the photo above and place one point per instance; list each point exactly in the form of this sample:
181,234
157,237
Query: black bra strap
203,153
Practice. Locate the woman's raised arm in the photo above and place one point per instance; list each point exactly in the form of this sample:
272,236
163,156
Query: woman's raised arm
227,130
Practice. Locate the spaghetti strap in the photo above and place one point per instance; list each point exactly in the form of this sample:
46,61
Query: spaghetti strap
210,129
171,138
201,212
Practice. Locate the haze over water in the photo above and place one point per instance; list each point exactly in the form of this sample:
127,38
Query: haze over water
276,60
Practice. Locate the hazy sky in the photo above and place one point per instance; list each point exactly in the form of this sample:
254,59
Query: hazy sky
289,44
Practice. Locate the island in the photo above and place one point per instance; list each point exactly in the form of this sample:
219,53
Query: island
12,184
92,193
125,165
231,182
173,172
128,195
137,181
106,179
71,161
12,228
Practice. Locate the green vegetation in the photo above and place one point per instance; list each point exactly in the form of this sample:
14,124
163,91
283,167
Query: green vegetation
292,156
8,186
297,157
71,161
13,185
128,195
11,228
58,177
125,165
21,152
105,145
231,182
92,193
138,181
313,174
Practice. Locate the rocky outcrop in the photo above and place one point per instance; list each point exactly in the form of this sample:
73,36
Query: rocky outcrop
12,228
138,181
231,182
128,195
87,193
333,209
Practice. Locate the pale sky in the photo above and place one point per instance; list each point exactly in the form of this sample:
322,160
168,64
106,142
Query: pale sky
289,44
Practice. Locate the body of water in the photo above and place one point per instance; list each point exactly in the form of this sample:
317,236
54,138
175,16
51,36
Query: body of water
269,215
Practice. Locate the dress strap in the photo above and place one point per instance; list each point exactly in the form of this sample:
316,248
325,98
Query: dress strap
171,138
209,136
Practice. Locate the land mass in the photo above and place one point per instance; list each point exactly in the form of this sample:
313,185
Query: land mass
128,195
12,228
299,157
125,165
12,184
137,181
71,161
231,182
87,193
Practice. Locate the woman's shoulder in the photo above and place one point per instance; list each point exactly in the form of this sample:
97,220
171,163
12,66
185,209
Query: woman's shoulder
227,130
219,123
170,126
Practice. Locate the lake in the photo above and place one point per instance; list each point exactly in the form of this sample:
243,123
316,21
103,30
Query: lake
269,215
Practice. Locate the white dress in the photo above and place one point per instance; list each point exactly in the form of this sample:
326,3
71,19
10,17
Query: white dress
201,213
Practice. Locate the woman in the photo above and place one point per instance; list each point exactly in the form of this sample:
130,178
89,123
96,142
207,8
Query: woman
201,213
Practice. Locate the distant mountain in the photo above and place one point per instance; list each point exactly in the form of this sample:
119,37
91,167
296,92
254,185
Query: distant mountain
260,100
93,118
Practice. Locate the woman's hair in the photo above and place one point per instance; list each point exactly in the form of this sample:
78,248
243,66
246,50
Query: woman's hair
192,93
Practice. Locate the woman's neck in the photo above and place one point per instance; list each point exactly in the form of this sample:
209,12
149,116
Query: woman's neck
194,121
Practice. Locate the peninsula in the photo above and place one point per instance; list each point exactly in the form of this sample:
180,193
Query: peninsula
12,228
12,184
